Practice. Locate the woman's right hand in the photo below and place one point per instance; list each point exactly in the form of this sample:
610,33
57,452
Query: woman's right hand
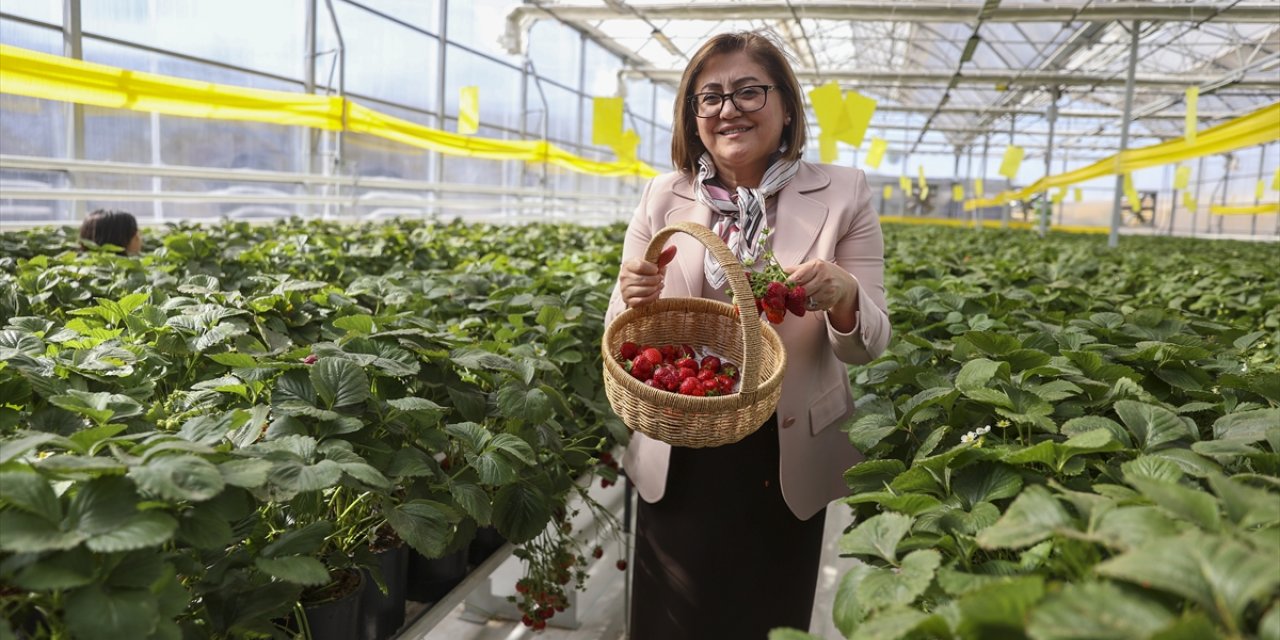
640,281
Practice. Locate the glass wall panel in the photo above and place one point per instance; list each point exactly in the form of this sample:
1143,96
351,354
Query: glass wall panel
49,11
384,60
266,36
555,49
423,14
499,88
562,126
481,24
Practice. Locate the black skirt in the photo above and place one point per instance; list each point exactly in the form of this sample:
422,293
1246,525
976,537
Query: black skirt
721,555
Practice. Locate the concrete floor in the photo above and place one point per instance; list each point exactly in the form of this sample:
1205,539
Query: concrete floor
602,606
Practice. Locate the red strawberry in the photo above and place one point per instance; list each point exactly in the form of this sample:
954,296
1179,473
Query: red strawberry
795,301
654,383
730,370
775,290
311,359
725,382
668,352
706,374
687,362
711,386
622,565
687,372
775,315
712,363
759,305
688,351
630,350
642,368
653,355
597,553
689,385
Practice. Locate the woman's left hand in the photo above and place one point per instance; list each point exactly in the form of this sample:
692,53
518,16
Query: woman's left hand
827,284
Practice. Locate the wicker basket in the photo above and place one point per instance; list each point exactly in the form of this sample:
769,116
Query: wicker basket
691,421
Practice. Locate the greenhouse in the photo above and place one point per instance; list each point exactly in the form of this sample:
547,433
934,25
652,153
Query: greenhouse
426,319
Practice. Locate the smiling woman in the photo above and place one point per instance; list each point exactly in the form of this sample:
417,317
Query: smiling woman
739,136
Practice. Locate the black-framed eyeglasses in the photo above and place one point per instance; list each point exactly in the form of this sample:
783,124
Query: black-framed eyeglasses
745,99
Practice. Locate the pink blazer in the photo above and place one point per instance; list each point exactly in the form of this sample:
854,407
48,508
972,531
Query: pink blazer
824,212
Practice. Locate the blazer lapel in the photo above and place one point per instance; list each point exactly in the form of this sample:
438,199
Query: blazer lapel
690,253
799,217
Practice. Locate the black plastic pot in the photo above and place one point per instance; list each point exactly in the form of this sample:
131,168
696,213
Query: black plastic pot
381,615
337,619
487,541
431,578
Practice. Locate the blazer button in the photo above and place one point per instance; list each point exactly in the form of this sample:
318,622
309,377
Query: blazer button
788,422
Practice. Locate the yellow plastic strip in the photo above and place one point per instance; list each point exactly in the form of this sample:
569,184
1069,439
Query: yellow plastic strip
49,77
1249,130
1245,210
989,224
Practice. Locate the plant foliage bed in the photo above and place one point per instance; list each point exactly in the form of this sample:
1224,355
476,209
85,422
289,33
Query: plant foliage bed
191,439
1066,442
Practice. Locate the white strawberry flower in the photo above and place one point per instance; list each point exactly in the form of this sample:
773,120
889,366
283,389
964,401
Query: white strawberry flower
967,438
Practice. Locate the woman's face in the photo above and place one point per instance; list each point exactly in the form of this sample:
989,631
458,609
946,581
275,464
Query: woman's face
740,142
135,245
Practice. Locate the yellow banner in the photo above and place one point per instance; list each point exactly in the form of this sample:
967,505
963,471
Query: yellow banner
40,75
957,193
1012,161
1261,189
626,146
469,110
606,121
1135,201
978,188
1191,124
1189,200
924,192
888,191
905,184
878,147
1250,130
1245,210
827,150
828,106
1059,196
920,176
1275,181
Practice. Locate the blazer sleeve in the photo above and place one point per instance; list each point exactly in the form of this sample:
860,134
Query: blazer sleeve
639,232
860,251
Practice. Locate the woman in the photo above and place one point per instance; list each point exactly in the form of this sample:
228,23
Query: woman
117,228
728,538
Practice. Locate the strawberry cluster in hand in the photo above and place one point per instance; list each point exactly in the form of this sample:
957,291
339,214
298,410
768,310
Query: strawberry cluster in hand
775,295
677,368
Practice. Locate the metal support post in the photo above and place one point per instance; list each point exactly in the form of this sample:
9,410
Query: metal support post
1199,184
1257,200
978,216
1062,206
1006,211
1046,205
954,211
1113,240
1226,186
72,47
310,136
583,138
441,87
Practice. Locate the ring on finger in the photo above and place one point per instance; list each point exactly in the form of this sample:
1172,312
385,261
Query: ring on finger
811,304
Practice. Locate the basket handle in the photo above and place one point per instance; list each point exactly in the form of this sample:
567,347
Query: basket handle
749,321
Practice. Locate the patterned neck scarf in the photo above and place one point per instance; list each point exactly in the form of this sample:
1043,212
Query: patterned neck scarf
741,216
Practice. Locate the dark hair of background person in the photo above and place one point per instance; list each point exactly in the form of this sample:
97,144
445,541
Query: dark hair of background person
109,226
686,146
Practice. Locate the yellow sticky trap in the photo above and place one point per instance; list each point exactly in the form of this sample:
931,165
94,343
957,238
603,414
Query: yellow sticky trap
626,146
469,110
1135,201
878,147
957,193
858,110
978,190
1275,181
606,121
1182,178
920,173
888,191
1077,194
1059,196
1262,188
1188,200
1012,161
1193,97
827,150
924,192
905,183
828,105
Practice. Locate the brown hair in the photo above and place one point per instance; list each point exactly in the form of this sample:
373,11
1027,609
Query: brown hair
108,226
686,146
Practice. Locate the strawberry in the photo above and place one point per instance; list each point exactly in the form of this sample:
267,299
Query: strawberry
730,370
759,305
795,301
630,350
622,565
712,363
642,368
668,352
687,362
775,315
597,553
689,385
775,289
725,383
653,355
311,359
687,372
706,374
711,386
688,351
654,383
